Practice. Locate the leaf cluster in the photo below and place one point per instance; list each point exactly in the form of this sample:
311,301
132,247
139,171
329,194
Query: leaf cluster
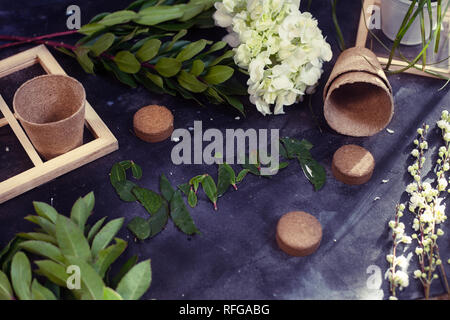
61,242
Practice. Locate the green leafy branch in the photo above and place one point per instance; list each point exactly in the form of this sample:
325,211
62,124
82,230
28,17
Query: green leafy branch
169,202
65,242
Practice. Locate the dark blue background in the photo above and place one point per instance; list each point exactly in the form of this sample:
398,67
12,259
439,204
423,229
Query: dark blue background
236,257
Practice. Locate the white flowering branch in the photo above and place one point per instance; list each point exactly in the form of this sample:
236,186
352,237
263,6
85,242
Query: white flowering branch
426,204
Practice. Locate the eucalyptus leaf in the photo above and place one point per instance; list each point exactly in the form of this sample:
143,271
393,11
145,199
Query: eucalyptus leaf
154,15
148,50
136,281
197,68
103,43
218,74
118,17
190,82
168,67
127,62
191,50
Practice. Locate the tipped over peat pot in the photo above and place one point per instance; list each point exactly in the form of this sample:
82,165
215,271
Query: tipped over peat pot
51,109
358,97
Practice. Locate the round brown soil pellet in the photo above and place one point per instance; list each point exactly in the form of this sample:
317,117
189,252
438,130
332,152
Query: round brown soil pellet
352,164
298,233
153,123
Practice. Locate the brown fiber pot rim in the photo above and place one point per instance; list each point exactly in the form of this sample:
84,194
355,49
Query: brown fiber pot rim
79,109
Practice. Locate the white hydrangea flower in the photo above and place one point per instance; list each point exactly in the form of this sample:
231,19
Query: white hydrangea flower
282,48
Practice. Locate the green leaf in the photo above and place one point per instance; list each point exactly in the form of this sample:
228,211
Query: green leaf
91,283
242,175
8,253
155,79
180,215
228,54
166,188
93,231
46,211
210,189
218,74
149,199
136,282
295,147
21,276
313,171
6,292
123,77
105,235
140,227
108,255
125,190
126,164
46,225
44,249
110,294
91,28
127,62
190,10
124,270
155,15
192,198
39,292
89,199
195,181
190,82
70,238
174,40
80,213
191,50
136,170
226,178
37,236
168,67
117,174
84,60
103,43
219,45
55,272
197,68
159,220
148,50
118,17
185,187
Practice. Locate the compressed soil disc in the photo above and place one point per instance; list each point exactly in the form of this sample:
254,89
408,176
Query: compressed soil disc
153,123
352,164
298,233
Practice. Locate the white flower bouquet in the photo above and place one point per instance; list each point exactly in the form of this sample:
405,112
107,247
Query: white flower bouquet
282,48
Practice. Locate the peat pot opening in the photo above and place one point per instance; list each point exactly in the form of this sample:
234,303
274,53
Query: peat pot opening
358,108
49,99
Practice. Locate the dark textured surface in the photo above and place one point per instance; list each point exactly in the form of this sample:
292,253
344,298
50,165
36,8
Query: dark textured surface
236,257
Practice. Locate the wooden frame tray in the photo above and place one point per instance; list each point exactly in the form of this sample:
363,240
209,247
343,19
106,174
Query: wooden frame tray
43,171
363,33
